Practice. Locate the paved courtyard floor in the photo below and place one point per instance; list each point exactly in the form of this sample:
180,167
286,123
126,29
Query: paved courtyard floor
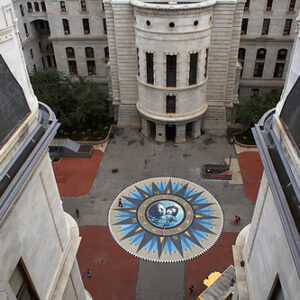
130,158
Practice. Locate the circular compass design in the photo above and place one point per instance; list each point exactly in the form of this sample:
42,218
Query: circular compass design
165,219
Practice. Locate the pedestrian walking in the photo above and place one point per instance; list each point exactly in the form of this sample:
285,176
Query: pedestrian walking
191,288
120,203
77,213
237,219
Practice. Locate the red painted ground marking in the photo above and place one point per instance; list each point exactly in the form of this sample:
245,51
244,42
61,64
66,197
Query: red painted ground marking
114,271
251,169
218,258
75,175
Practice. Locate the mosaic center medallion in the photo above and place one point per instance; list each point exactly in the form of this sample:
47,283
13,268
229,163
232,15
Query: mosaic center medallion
165,219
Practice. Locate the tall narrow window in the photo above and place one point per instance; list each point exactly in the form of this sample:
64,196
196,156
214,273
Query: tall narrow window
40,47
254,92
22,10
193,68
171,70
244,26
259,63
91,67
49,62
287,26
26,30
104,26
171,105
149,63
206,62
292,5
29,7
66,26
54,61
21,284
43,5
72,67
103,7
89,52
269,5
281,55
278,72
138,61
106,54
31,53
36,6
43,63
241,57
247,5
83,5
261,53
265,27
70,52
86,26
34,68
62,6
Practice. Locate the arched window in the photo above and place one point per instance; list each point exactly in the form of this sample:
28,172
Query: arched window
261,53
36,6
22,10
70,52
29,7
43,5
89,52
282,53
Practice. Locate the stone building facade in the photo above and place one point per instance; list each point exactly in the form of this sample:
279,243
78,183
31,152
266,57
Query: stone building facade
69,36
267,252
39,241
174,64
268,31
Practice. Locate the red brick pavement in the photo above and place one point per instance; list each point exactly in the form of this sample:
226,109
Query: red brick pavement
114,271
218,258
251,168
75,175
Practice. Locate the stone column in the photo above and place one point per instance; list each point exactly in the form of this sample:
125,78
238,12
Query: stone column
145,127
180,134
160,133
196,129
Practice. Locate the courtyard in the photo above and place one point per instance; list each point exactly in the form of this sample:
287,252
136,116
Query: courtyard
130,158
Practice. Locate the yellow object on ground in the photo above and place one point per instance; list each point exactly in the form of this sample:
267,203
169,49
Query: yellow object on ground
211,278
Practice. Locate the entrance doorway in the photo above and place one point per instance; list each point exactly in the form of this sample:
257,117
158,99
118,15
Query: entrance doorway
170,132
152,129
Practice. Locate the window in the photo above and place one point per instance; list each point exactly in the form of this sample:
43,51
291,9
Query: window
89,52
292,5
29,7
36,6
241,57
26,30
171,70
43,63
31,53
70,52
103,7
62,6
21,283
91,67
206,61
193,68
258,69
265,27
22,10
278,72
104,26
40,47
72,67
54,61
86,26
171,104
287,26
43,5
261,53
244,26
49,62
34,68
269,5
66,26
282,53
150,72
254,92
138,61
106,53
83,5
247,5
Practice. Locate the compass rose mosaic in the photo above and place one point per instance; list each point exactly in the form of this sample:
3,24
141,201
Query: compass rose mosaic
165,219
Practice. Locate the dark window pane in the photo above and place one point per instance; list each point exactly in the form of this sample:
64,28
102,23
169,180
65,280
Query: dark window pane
43,6
104,26
269,5
247,5
149,63
254,92
91,67
171,70
282,53
22,10
171,104
265,27
242,53
206,61
70,52
83,5
29,7
193,68
258,69
292,5
261,53
36,6
72,67
244,26
62,6
89,52
86,26
66,26
287,26
106,53
278,72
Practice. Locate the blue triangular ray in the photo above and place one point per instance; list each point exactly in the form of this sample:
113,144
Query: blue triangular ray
137,238
127,228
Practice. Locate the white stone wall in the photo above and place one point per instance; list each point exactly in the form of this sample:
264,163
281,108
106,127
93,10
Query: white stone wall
267,253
